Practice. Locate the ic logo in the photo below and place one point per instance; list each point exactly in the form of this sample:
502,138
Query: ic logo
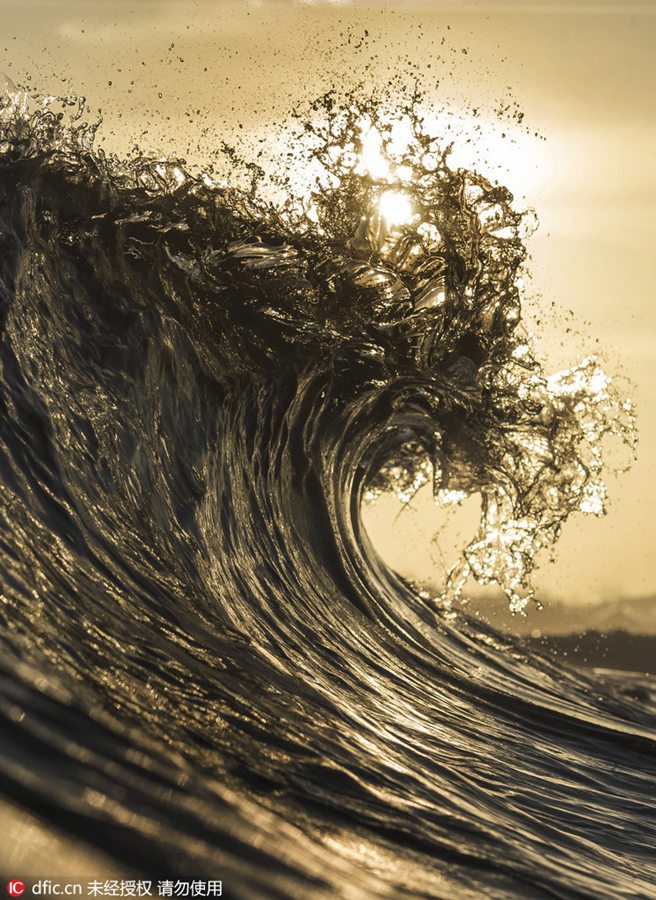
15,888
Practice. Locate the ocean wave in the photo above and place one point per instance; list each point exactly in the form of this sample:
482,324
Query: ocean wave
207,669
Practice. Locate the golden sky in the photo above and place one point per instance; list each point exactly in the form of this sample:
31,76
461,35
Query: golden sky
582,72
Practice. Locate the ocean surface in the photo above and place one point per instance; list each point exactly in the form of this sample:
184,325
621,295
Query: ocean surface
206,669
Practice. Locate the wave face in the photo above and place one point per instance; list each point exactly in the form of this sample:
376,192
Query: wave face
206,669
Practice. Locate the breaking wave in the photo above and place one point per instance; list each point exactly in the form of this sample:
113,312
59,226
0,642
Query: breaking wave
206,667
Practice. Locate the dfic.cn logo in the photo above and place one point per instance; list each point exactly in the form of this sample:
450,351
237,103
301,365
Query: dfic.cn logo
15,888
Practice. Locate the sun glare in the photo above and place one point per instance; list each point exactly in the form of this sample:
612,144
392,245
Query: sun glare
395,208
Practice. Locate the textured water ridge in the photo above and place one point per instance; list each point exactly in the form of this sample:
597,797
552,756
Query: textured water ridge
206,670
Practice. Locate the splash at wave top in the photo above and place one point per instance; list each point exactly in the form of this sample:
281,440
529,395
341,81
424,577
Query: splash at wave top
206,670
